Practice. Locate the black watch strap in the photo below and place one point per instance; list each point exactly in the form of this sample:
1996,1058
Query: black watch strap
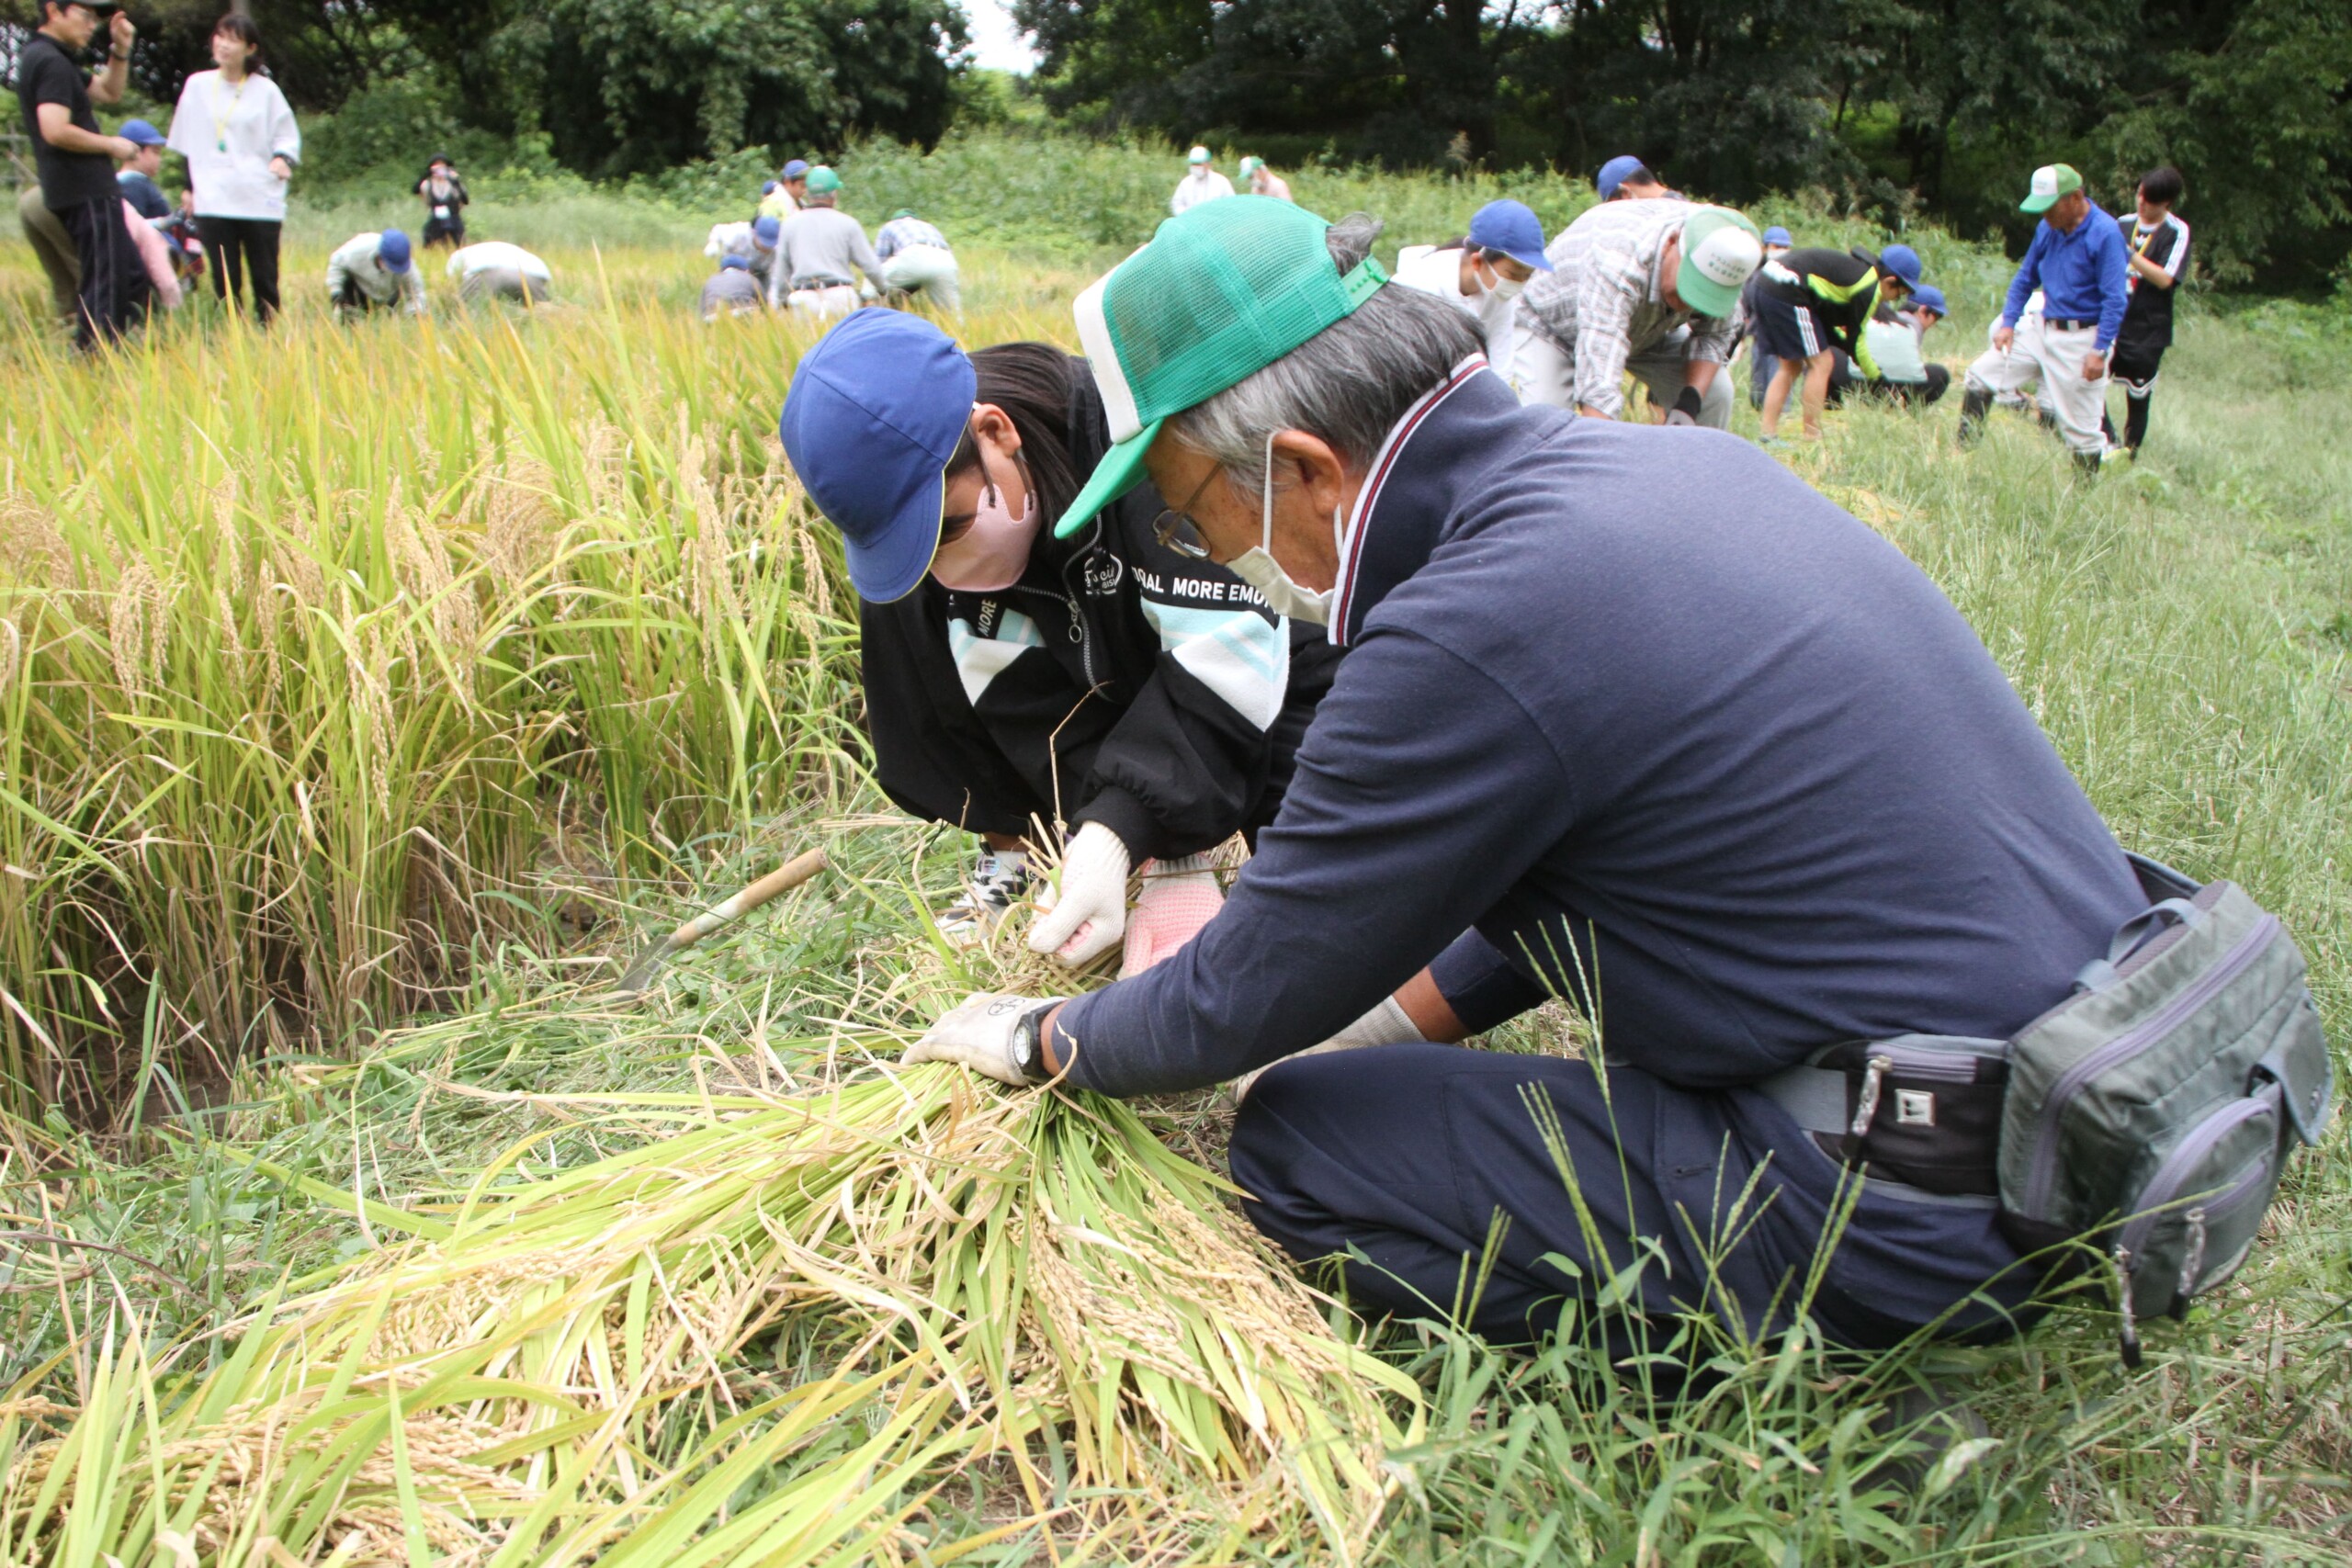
1028,1042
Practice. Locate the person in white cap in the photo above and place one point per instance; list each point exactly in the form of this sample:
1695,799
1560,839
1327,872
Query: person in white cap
1625,276
1201,183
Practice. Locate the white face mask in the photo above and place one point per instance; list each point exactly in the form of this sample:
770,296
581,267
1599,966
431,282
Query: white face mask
1259,569
1498,286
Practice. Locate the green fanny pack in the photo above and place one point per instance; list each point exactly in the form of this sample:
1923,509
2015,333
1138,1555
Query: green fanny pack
2150,1113
2153,1110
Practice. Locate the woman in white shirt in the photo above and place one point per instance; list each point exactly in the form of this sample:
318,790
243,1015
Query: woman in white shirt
242,145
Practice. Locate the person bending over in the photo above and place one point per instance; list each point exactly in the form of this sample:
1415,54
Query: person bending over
1108,679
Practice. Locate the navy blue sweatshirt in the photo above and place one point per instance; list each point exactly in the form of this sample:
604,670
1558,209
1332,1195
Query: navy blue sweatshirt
1673,733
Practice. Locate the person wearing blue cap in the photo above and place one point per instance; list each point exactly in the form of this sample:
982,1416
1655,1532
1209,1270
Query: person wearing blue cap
373,271
783,197
1627,178
1014,679
136,175
733,289
1813,301
1483,272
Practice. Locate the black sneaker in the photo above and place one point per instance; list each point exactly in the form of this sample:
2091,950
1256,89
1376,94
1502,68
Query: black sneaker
998,879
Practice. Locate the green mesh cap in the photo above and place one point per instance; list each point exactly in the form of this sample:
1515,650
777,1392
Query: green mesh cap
1221,292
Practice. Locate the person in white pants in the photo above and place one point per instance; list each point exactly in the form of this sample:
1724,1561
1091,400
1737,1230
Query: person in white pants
2078,261
916,260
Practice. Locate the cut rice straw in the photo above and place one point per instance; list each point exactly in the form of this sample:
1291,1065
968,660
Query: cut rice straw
567,1374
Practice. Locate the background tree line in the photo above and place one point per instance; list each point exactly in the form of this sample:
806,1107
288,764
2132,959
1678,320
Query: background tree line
1889,105
1942,104
609,87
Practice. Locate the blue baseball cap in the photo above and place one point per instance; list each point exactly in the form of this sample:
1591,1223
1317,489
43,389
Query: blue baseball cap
1903,262
1616,172
1511,227
795,169
875,411
142,132
764,228
742,263
391,249
1927,297
1776,235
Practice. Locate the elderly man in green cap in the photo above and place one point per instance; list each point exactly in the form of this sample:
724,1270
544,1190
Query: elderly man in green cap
1648,287
2081,265
1629,716
822,255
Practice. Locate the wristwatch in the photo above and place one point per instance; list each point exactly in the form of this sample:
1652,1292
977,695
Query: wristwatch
1028,1044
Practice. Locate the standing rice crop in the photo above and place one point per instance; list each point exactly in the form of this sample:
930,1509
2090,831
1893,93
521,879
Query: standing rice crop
309,642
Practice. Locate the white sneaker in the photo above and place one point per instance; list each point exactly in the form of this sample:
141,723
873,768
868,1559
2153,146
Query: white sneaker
998,879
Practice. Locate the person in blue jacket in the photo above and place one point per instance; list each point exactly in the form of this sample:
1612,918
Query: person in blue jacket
1630,716
2082,265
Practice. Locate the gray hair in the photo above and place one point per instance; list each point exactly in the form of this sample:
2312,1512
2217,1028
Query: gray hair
1348,385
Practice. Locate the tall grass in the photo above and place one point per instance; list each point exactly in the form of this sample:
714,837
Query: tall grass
311,639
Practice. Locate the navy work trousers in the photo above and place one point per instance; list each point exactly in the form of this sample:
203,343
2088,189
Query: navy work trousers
1405,1153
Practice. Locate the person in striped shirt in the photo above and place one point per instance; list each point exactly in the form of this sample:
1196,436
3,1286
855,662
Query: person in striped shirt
1626,275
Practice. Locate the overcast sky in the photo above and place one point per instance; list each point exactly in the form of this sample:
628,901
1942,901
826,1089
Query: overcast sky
995,44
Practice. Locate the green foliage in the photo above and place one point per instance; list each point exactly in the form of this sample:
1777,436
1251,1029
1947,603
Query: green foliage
1883,103
623,89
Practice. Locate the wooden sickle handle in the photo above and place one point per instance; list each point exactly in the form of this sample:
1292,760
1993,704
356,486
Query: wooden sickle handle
780,881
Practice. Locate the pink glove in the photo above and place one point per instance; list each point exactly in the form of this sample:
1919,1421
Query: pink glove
1179,897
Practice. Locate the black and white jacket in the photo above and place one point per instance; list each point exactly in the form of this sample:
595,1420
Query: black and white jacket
1117,682
2147,311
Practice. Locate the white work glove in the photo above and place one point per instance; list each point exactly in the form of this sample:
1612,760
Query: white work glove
1386,1025
1085,917
977,1032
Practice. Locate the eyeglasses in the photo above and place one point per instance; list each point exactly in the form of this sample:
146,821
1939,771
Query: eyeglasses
1175,529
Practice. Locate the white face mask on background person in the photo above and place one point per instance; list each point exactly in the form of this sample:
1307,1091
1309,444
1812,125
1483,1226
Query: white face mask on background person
1498,286
989,556
1259,569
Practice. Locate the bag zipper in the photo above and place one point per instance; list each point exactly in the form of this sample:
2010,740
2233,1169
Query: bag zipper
2045,1151
2194,1147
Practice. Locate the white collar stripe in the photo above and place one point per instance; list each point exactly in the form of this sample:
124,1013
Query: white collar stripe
1383,461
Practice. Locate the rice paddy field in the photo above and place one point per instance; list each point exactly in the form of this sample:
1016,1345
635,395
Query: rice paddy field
367,694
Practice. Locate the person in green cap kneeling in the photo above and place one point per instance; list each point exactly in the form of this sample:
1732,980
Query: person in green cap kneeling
1629,716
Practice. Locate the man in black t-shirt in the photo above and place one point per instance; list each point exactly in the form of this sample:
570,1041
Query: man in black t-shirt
75,162
2156,246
